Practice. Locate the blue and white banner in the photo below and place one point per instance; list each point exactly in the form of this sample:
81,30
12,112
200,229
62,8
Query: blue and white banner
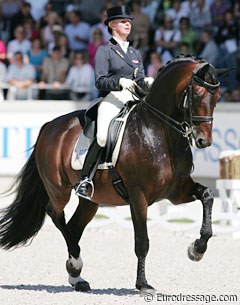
19,130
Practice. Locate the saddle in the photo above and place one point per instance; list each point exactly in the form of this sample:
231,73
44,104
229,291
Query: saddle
114,132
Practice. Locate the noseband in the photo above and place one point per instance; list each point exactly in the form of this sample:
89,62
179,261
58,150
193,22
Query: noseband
186,127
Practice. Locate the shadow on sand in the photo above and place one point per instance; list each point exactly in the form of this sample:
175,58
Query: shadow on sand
60,289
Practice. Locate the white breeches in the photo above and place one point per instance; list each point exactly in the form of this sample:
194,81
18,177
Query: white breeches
107,110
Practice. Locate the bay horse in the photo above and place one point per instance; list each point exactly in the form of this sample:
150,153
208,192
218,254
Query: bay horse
155,163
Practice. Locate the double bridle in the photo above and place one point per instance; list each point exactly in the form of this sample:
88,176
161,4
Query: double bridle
186,127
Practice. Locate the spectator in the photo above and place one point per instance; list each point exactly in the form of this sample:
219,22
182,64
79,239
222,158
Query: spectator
101,26
97,40
209,49
236,95
78,32
18,44
80,78
167,39
176,12
236,9
57,31
3,71
21,17
188,35
149,7
54,71
201,17
20,76
8,9
140,28
3,51
218,8
30,29
47,32
227,38
37,8
36,56
43,21
184,48
154,65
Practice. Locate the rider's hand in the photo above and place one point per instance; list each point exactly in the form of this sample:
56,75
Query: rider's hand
126,83
148,81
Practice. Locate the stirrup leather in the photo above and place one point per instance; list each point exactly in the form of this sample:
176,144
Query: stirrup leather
88,181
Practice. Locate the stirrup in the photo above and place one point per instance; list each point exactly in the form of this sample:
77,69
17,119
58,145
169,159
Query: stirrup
88,181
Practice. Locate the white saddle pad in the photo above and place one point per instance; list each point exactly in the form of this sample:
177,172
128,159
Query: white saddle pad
81,148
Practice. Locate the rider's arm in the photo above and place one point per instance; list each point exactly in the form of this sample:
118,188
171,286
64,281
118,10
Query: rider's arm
105,81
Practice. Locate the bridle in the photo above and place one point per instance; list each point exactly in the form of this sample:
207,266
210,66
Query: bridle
186,127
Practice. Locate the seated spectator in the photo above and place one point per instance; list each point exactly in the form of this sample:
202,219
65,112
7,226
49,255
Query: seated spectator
236,95
8,9
18,44
184,49
47,32
36,56
218,8
139,35
149,7
3,71
21,17
227,38
176,12
20,76
78,32
48,9
80,78
3,51
97,40
209,49
54,71
30,30
154,65
101,26
60,40
166,39
200,17
188,35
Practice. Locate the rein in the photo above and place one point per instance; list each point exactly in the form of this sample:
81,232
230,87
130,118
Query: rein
185,127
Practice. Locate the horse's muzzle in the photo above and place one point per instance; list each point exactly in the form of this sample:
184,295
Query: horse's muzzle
202,142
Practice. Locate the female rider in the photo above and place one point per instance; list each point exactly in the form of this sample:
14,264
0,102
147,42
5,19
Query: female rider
118,68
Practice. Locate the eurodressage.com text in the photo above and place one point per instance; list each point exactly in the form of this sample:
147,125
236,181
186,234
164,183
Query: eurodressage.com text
204,298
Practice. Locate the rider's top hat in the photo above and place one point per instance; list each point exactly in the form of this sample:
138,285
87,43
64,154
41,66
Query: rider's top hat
118,12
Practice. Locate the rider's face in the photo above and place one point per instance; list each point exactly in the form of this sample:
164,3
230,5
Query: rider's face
122,26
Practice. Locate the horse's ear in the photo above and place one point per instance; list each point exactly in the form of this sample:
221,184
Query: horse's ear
202,71
224,72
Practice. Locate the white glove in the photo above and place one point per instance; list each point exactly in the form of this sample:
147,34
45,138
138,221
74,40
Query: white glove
126,83
148,81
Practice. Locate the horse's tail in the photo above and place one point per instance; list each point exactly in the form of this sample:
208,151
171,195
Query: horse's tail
24,217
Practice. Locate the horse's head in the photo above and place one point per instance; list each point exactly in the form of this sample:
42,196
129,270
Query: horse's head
184,96
199,100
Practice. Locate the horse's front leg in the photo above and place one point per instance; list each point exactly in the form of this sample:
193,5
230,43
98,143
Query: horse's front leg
198,248
138,205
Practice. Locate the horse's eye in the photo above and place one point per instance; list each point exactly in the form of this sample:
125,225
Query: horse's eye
196,97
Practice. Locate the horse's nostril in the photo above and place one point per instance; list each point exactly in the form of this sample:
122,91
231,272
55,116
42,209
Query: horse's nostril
201,143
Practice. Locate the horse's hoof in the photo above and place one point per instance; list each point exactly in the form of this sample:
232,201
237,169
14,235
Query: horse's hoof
193,254
146,290
82,286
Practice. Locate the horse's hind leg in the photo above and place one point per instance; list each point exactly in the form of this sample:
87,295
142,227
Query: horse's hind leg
84,213
138,205
198,248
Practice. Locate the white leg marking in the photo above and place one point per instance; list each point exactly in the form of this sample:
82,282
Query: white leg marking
74,280
77,263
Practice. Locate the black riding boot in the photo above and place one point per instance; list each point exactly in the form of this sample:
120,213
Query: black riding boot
90,165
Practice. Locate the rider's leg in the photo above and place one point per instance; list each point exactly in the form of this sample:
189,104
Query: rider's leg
107,110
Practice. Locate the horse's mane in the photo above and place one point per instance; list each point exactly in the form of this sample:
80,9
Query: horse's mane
180,58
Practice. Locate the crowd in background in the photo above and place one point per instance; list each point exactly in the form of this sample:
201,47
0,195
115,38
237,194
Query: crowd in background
49,46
